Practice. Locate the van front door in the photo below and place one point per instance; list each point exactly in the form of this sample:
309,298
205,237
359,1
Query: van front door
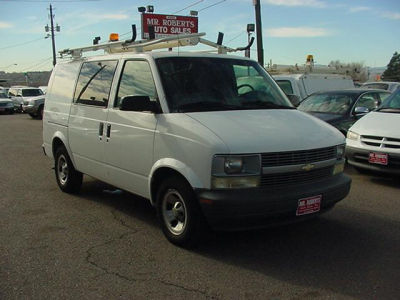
86,130
130,134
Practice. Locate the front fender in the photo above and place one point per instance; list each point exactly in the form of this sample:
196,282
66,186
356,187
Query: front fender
179,167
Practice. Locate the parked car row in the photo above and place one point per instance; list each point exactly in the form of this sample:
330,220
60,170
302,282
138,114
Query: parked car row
23,99
299,86
342,108
373,142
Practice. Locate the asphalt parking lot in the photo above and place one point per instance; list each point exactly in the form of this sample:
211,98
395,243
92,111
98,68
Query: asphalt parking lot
106,244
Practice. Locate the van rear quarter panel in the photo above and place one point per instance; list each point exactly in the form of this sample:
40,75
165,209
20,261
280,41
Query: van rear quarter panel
58,102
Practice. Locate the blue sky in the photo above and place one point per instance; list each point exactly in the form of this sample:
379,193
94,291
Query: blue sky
365,31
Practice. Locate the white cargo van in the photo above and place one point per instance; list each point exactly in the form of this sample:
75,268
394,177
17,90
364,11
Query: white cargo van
195,135
303,85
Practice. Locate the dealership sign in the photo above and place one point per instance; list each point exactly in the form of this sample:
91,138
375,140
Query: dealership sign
166,25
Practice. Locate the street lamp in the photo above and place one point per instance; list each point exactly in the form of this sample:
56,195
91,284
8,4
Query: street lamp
250,30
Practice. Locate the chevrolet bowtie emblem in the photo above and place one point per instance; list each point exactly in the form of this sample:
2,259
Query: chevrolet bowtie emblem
307,167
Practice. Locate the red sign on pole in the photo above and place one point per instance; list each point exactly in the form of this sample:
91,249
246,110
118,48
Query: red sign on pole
166,25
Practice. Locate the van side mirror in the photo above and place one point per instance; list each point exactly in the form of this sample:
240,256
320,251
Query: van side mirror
294,99
139,103
361,110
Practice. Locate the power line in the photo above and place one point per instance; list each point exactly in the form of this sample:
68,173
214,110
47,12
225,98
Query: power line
22,44
189,6
193,4
219,2
41,62
234,38
49,1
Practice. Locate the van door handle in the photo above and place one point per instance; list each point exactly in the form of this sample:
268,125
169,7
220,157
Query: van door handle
101,130
108,133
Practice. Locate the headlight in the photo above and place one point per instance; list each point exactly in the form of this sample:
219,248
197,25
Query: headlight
236,171
340,151
233,165
352,135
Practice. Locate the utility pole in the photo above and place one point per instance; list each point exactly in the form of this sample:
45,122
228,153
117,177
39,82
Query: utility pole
260,50
52,29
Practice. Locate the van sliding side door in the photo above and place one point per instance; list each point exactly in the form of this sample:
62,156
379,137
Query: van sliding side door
88,116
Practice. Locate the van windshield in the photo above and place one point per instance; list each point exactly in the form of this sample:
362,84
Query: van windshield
194,84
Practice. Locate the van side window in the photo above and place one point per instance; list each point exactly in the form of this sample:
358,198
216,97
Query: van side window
136,80
94,83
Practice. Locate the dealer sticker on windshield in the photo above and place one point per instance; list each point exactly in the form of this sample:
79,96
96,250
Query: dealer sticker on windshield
309,205
378,158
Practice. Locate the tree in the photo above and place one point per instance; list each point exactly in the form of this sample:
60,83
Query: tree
392,73
356,70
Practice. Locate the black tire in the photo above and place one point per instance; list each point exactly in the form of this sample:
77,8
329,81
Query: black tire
32,115
40,112
68,179
179,213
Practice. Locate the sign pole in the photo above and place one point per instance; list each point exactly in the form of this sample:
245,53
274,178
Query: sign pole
260,50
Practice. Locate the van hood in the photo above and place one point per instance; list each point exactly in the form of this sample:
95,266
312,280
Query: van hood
257,131
378,124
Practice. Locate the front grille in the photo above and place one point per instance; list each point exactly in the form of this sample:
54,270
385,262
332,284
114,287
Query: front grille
393,161
277,180
275,159
380,141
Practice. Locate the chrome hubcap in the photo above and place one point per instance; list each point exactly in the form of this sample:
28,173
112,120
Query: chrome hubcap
174,212
62,169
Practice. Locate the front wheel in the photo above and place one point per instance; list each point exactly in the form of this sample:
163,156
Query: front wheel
179,213
40,112
68,179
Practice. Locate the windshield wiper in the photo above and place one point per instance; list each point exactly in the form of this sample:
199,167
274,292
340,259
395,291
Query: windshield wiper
265,105
205,106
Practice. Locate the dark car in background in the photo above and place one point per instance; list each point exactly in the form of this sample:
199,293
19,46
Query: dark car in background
341,108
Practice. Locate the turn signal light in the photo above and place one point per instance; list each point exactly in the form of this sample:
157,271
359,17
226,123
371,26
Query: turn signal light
114,37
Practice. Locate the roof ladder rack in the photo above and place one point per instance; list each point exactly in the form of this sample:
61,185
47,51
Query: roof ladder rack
131,45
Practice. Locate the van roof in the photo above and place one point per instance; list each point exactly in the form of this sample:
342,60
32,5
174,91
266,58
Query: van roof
157,54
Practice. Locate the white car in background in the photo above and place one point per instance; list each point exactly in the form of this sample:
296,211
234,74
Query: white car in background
20,95
373,142
383,85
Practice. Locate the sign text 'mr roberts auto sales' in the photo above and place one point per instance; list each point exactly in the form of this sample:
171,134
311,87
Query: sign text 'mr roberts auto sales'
166,25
